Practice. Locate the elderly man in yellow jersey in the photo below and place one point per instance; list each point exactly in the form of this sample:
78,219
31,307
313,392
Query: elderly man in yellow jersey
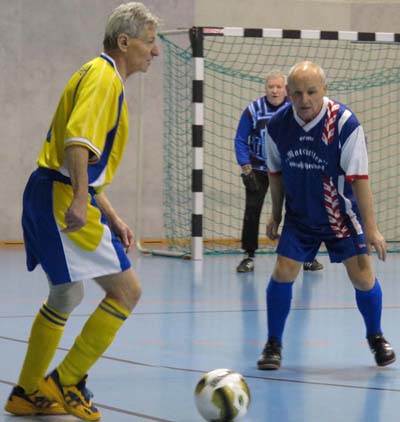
70,227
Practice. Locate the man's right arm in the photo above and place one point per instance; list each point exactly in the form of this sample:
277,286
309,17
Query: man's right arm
76,161
277,196
242,148
276,186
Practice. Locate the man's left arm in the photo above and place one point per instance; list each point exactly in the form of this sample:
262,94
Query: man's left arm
117,225
363,194
354,161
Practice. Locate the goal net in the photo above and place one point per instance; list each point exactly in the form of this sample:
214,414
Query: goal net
363,71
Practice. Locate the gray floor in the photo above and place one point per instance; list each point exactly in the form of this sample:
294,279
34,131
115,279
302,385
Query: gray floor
196,317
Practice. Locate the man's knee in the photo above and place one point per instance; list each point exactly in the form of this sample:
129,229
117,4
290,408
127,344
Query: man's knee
360,271
124,287
65,297
286,269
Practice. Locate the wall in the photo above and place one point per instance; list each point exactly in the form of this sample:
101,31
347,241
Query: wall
45,41
361,15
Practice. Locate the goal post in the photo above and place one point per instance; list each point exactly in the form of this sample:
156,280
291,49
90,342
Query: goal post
212,75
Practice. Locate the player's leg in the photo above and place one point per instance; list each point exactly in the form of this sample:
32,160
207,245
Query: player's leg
67,383
294,246
41,236
91,252
251,220
279,295
122,294
278,300
368,295
45,335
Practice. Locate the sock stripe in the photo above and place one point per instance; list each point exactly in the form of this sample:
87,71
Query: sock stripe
108,303
51,312
45,335
106,307
49,318
116,307
96,336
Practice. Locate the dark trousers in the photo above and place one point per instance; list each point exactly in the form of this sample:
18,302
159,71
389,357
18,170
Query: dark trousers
251,220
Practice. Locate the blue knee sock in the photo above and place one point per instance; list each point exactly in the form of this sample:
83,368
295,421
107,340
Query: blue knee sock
279,297
370,305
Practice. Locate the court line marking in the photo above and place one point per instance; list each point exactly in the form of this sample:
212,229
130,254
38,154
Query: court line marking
214,311
113,409
249,376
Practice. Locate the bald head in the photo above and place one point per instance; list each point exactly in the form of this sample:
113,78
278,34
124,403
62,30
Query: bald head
306,88
306,70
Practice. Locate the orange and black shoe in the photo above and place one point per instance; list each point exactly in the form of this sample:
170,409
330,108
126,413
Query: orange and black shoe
21,404
76,399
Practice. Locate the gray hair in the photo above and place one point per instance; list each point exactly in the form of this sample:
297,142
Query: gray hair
130,19
275,74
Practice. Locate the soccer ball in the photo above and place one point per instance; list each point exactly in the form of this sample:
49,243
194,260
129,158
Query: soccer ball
222,395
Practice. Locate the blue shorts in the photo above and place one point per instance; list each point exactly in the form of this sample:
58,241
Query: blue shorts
302,244
90,252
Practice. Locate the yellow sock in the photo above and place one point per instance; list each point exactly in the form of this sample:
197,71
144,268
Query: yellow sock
97,334
46,332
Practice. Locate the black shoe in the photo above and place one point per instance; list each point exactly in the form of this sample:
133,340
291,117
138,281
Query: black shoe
245,266
270,357
381,348
312,266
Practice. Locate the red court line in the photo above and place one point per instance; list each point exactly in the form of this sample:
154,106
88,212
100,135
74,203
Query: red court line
202,371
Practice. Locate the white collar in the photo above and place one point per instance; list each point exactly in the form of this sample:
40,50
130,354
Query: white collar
113,64
308,126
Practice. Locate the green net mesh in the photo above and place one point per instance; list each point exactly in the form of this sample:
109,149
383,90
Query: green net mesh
365,76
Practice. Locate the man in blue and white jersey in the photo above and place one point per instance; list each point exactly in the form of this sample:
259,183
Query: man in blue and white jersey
317,162
251,156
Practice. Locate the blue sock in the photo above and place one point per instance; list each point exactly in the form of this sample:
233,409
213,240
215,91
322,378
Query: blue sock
370,305
279,297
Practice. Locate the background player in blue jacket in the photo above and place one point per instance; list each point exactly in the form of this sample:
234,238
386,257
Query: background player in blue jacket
251,156
318,163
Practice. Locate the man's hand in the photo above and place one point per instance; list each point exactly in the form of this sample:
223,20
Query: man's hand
376,240
272,228
75,216
123,232
250,181
117,226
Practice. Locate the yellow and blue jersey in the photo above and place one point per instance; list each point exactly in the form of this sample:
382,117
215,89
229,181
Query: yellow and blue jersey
92,112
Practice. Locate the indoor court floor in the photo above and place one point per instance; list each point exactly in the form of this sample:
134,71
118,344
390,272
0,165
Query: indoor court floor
194,317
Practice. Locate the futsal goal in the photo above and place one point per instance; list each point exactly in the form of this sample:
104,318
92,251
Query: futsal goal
211,74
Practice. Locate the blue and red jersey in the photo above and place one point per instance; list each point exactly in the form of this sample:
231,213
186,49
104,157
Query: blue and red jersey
319,160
